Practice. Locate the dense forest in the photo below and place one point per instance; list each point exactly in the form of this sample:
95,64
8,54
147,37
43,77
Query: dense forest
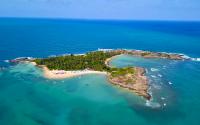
92,60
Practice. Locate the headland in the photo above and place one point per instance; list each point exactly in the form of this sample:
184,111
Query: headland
97,62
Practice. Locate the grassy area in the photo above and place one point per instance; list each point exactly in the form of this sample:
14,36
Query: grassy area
122,71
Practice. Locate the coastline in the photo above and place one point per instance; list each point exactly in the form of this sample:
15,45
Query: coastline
131,78
62,74
140,86
107,61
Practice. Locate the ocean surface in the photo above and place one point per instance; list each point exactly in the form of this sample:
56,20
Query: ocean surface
27,98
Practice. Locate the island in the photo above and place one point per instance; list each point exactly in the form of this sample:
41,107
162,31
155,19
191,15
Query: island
97,62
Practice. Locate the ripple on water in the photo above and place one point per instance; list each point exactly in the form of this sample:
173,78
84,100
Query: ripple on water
25,69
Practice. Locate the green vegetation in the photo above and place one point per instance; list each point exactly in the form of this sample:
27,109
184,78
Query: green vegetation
122,71
124,75
92,61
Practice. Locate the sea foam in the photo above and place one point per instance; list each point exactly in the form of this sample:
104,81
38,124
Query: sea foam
170,83
152,104
156,86
195,59
7,61
190,58
163,98
153,76
154,69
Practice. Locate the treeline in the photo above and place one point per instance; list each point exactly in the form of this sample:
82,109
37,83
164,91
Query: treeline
92,60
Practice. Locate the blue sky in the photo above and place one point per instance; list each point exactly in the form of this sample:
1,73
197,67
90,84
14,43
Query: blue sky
103,9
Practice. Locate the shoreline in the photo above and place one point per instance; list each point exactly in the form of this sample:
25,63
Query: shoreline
107,61
62,74
131,78
139,87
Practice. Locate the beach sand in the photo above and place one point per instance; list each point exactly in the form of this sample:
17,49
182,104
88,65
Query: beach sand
62,74
107,61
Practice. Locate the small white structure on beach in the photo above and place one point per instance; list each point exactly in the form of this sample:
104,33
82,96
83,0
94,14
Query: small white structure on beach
105,50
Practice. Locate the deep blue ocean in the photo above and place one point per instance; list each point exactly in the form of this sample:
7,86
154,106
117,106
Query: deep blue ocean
27,98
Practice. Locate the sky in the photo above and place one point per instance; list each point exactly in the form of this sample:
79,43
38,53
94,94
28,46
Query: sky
103,9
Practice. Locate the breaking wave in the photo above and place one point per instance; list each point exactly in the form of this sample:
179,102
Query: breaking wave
7,61
152,104
159,75
195,59
190,58
153,76
154,69
170,83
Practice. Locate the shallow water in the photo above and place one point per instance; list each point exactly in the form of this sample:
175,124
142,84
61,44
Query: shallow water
26,98
174,86
32,99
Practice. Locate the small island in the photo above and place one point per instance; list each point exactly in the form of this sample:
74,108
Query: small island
97,62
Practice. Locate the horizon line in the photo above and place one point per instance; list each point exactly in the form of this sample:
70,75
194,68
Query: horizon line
99,19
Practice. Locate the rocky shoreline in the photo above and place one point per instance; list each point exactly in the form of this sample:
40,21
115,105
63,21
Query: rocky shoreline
132,78
149,54
137,82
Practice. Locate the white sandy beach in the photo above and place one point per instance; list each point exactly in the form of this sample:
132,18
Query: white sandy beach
61,74
107,61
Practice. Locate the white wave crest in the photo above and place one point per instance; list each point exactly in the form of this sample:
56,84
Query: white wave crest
190,58
7,61
154,69
170,83
163,98
153,76
164,67
152,104
195,59
185,56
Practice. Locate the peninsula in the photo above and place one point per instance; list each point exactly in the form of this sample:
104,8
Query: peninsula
132,78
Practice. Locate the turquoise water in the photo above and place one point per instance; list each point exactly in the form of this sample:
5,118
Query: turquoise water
26,98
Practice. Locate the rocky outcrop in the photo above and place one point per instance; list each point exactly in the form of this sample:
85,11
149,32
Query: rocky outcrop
136,82
133,79
148,54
